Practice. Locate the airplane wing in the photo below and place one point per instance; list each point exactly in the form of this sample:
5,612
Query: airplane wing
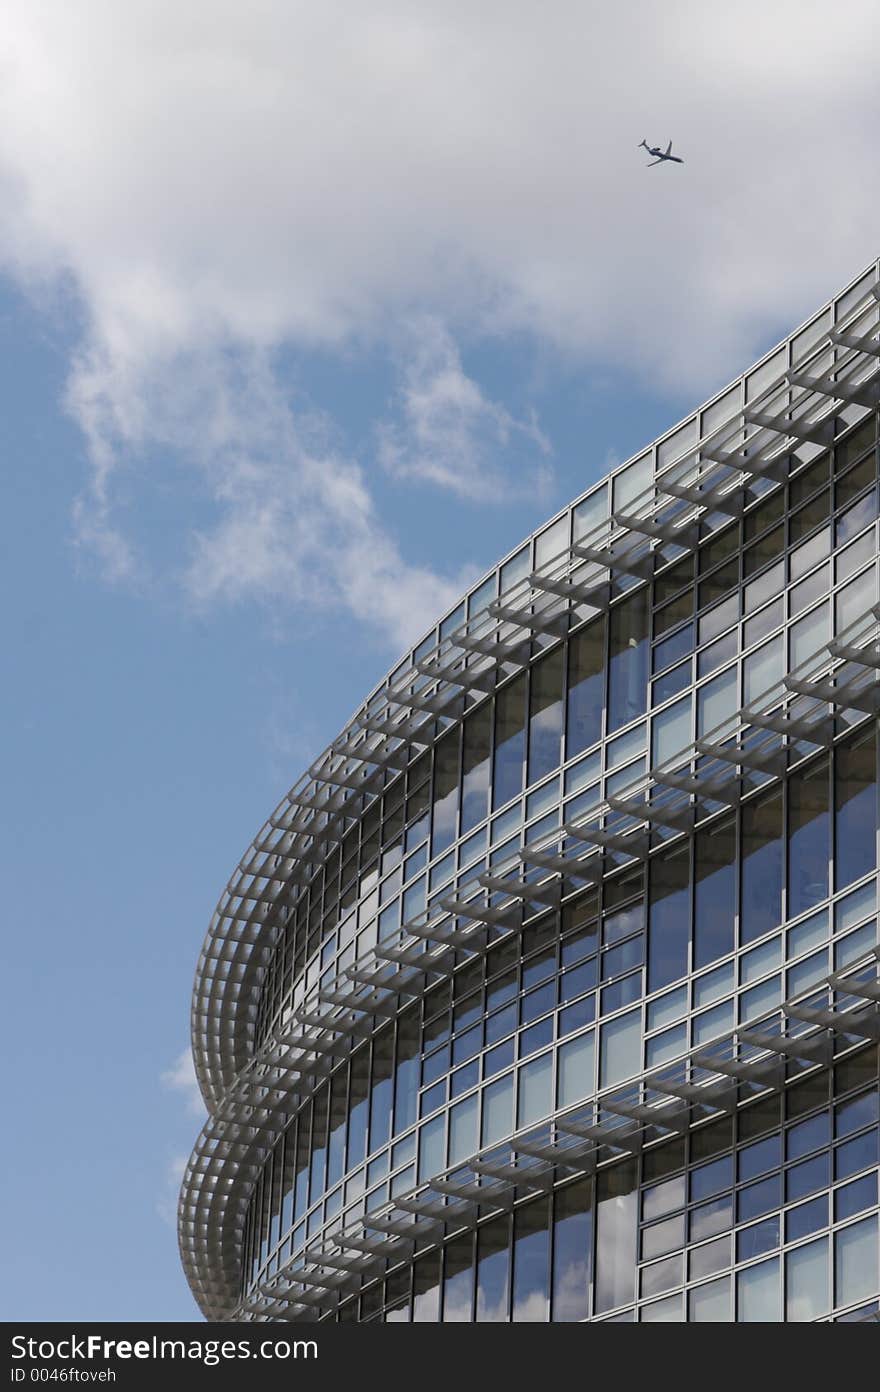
669,147
653,162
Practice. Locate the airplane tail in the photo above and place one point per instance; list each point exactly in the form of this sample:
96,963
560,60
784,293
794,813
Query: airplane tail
645,143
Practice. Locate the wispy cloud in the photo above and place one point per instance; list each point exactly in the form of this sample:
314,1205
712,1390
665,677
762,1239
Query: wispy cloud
213,185
447,432
181,1078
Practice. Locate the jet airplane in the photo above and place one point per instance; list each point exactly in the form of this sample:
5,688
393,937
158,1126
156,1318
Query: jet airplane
660,155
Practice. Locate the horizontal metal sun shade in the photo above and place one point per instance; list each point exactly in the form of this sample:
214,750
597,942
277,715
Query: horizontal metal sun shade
707,482
746,751
708,1082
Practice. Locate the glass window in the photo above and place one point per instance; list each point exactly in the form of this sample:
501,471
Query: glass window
475,767
515,570
855,1262
710,1303
586,687
807,1218
854,600
621,1048
446,781
763,623
672,649
669,918
758,1198
535,1095
509,741
756,1159
711,1257
709,1179
807,1135
382,1089
663,1276
806,1281
615,1235
591,512
545,715
717,701
711,1218
719,652
714,892
758,1297
808,837
713,1023
426,1289
663,1198
763,669
761,882
463,1130
858,1112
667,1045
498,1110
808,635
807,1177
628,659
671,731
757,1239
576,1070
663,1237
855,800
852,1198
531,1262
458,1287
572,1252
493,1272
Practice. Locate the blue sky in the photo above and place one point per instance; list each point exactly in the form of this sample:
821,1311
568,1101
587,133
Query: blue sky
283,370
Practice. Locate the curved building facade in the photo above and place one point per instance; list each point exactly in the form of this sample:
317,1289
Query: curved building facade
551,991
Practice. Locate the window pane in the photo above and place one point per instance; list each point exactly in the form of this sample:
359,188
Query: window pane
764,669
458,1287
628,660
615,1236
757,1292
672,731
426,1289
572,1252
531,1262
714,893
669,918
716,701
586,687
475,767
855,1262
621,1048
545,716
493,1272
711,1303
509,742
576,1065
855,797
761,905
463,1135
808,838
535,1096
445,792
498,1110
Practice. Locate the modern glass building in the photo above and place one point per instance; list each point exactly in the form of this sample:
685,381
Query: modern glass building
551,991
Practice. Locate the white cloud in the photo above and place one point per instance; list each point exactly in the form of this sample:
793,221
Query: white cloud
181,1077
447,432
214,181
